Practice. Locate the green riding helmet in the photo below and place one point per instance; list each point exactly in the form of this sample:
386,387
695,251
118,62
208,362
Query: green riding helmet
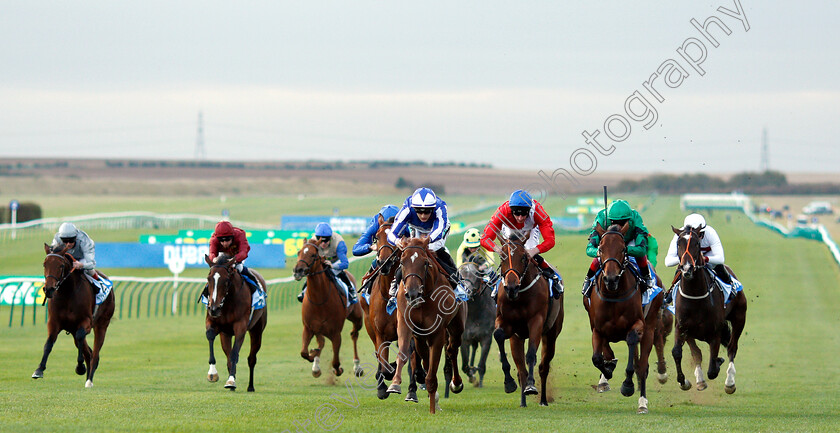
619,211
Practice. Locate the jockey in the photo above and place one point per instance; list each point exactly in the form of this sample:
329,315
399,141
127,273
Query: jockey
424,214
636,240
710,246
80,246
367,242
331,247
232,241
470,251
524,214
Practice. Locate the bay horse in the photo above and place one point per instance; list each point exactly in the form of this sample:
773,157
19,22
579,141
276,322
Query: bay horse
481,319
381,326
702,314
71,308
229,314
428,312
616,314
524,312
325,310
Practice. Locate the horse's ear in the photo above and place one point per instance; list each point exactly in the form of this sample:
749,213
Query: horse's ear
625,227
700,231
600,230
676,230
425,241
381,219
207,259
64,250
47,248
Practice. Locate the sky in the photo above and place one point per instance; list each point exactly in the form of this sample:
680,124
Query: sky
512,84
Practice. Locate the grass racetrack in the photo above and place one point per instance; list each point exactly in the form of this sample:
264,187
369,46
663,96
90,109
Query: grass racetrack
152,374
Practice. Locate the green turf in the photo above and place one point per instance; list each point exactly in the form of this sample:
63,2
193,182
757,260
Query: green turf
152,374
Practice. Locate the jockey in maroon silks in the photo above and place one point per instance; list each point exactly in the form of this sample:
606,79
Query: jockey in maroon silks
233,242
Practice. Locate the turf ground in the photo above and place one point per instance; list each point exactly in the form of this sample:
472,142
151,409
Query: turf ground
152,373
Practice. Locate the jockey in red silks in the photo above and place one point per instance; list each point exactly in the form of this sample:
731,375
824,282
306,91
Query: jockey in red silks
524,214
232,241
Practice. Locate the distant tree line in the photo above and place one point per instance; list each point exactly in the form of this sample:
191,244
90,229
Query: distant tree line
767,182
402,183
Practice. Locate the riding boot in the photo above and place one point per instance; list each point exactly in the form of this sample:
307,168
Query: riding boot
367,281
392,292
723,274
553,281
351,291
300,295
587,287
669,296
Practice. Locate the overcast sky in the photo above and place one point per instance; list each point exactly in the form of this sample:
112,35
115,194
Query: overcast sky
513,84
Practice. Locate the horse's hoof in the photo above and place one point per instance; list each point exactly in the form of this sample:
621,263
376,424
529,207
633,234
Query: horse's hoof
212,377
543,403
80,369
395,388
316,373
510,386
685,386
662,377
603,387
530,390
38,374
422,386
411,397
89,384
231,384
643,406
338,372
729,389
456,388
627,390
358,371
250,389
471,379
701,386
382,393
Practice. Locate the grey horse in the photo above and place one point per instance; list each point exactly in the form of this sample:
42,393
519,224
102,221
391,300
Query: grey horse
481,317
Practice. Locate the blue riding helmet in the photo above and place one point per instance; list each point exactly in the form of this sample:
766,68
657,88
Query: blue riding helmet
323,230
521,198
423,197
389,211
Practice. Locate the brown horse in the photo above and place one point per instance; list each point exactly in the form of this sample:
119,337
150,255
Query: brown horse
71,308
325,310
428,311
616,314
230,314
701,314
524,312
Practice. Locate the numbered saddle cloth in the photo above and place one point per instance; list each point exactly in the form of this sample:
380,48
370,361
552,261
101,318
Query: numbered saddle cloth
729,290
103,284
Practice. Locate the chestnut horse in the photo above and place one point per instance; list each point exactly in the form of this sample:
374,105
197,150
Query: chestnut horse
616,314
524,312
702,314
229,314
428,311
325,310
71,308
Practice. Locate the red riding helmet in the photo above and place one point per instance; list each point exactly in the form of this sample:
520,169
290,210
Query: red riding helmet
223,228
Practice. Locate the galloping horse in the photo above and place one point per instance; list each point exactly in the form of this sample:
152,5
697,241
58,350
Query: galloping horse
324,310
428,311
524,312
71,309
481,317
616,314
702,314
230,314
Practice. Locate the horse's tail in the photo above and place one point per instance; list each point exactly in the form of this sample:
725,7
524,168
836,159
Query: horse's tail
725,333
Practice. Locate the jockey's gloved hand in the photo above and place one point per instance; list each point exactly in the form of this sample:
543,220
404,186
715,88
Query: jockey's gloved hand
238,267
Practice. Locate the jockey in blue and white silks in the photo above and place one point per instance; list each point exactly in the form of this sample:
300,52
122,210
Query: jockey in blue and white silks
333,248
367,242
424,214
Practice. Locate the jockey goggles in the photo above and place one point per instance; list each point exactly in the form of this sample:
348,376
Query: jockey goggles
520,211
322,238
423,210
225,238
69,240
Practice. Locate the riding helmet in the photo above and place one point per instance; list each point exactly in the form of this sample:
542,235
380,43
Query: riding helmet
423,197
223,228
472,238
521,198
694,220
619,210
323,230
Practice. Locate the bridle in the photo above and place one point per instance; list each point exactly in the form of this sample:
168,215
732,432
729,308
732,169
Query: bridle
519,275
693,268
227,286
62,275
621,265
425,266
309,265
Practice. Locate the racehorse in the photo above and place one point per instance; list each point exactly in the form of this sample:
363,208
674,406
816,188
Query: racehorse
427,310
324,310
701,314
616,314
230,314
481,317
524,312
72,309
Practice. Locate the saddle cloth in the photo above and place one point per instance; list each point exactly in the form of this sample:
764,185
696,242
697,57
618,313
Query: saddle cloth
257,299
103,284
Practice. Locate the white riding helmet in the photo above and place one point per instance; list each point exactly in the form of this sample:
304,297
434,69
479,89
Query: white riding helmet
67,230
694,220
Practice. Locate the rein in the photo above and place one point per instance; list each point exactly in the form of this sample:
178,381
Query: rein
621,265
58,281
425,267
515,272
694,266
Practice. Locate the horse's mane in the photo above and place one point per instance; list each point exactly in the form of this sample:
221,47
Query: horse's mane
223,258
614,228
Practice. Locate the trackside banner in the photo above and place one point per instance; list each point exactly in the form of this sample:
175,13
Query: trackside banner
21,290
132,255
